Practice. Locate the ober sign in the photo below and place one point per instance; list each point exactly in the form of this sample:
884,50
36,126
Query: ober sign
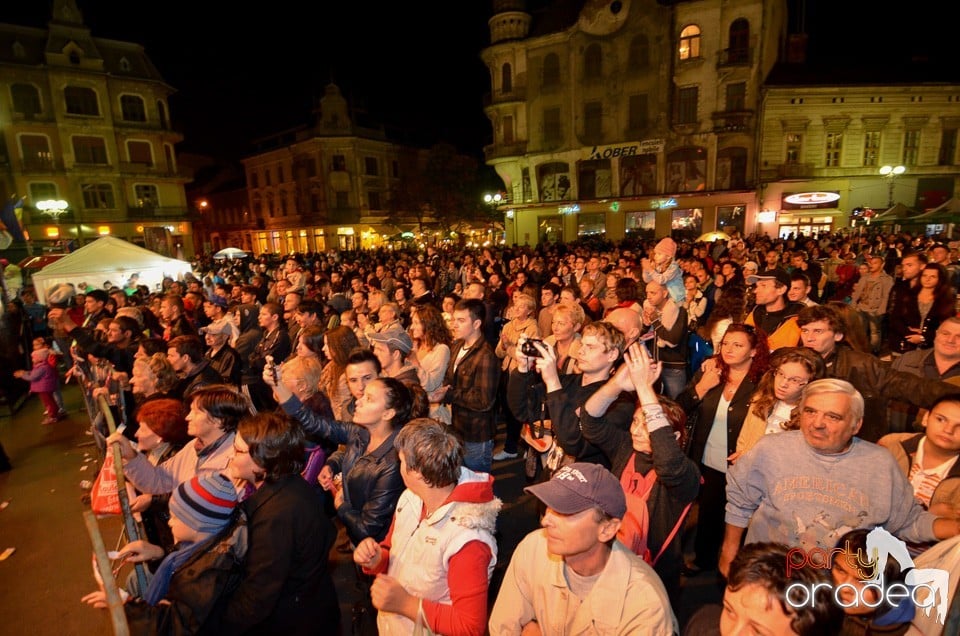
645,147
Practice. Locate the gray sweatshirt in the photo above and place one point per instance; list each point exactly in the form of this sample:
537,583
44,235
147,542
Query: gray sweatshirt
787,492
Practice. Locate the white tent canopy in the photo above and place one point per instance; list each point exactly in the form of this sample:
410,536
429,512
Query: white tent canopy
108,259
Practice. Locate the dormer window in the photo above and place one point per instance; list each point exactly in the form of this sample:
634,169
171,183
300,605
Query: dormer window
18,50
74,58
124,65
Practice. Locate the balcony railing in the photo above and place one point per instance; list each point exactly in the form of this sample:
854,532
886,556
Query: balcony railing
735,57
495,151
795,170
515,94
728,121
136,167
39,165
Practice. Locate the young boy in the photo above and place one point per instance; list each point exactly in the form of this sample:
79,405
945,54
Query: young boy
929,459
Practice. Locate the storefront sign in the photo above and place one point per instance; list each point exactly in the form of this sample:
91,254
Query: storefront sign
810,200
568,209
645,147
662,204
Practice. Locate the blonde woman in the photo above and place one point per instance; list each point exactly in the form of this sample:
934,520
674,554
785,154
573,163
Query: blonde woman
523,323
565,336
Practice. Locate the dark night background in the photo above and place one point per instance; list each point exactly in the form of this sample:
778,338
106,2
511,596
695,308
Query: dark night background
243,72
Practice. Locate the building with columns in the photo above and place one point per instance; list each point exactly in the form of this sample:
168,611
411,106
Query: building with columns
86,121
646,118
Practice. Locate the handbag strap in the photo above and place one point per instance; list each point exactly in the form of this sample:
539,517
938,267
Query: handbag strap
673,533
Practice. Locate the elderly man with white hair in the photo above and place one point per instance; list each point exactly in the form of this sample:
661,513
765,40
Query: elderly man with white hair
807,488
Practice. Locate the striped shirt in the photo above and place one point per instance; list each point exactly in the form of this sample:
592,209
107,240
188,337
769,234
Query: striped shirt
924,482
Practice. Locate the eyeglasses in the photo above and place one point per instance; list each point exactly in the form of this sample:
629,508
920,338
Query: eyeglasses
797,382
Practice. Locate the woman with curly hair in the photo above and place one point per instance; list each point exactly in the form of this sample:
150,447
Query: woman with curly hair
153,377
337,345
773,407
431,353
718,398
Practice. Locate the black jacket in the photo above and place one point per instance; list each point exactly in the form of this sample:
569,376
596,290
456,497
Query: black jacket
372,481
286,586
706,413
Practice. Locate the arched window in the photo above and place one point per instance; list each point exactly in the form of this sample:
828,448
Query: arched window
551,69
690,42
739,45
162,111
639,57
506,78
81,100
593,62
687,169
732,169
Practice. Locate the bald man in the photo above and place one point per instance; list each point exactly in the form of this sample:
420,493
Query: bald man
627,322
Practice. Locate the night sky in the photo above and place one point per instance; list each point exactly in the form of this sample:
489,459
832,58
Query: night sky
415,65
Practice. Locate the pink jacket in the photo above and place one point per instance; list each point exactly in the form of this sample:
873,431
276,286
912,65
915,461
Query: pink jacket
43,377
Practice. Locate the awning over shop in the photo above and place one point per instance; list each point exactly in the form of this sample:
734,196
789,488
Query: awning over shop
946,212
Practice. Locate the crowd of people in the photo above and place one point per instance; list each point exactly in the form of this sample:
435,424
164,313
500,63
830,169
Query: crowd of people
680,410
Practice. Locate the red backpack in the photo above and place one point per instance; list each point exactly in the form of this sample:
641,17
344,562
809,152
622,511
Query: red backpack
635,525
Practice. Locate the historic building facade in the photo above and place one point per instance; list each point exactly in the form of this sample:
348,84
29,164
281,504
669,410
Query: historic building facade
642,118
326,186
86,121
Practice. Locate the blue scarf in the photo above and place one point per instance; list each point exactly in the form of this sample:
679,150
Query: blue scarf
160,583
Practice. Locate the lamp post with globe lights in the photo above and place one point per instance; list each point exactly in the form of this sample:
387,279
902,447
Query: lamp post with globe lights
891,173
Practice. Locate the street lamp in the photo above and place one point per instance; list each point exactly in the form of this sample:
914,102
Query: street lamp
891,173
493,199
55,208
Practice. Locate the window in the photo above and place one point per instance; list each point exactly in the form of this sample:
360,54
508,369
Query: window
507,129
731,217
591,225
834,148
373,198
26,100
637,113
911,146
125,65
687,169
794,142
594,179
132,108
686,224
593,121
737,97
639,55
162,112
343,200
81,101
339,163
732,169
641,224
41,191
140,152
89,150
690,42
739,43
98,196
551,70
35,150
871,148
593,62
370,166
687,105
948,147
506,79
146,196
554,181
552,130
638,175
254,180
